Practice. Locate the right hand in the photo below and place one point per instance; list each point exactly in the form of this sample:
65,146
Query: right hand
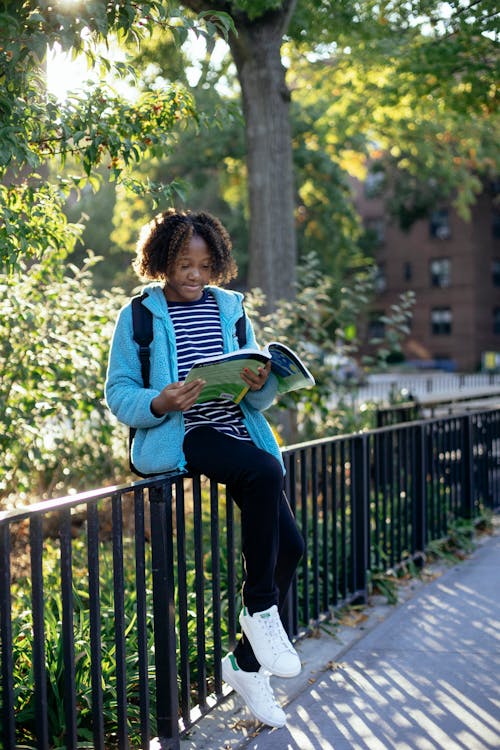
177,397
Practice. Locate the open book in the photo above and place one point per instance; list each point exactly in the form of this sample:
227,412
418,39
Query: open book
222,373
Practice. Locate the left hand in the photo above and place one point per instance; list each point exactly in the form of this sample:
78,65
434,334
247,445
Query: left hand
256,380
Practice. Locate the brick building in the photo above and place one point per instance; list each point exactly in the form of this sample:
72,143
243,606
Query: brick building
453,267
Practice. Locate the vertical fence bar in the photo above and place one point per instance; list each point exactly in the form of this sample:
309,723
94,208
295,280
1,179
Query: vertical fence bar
315,537
334,527
405,498
343,523
325,557
360,510
182,604
119,605
431,465
447,448
488,501
231,570
476,439
8,722
384,471
290,614
216,588
390,468
421,436
376,528
305,531
398,499
200,595
468,467
95,625
68,638
142,631
164,615
37,608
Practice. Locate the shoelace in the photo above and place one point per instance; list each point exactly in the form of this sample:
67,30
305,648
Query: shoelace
276,633
264,685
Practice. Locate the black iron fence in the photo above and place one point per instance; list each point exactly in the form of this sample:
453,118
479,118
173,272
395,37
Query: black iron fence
117,605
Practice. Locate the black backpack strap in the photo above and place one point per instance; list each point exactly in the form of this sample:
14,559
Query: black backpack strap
241,330
142,322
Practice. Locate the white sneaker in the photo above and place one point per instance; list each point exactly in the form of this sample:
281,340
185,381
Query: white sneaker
270,642
256,691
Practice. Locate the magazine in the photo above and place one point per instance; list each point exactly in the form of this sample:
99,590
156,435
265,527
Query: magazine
222,373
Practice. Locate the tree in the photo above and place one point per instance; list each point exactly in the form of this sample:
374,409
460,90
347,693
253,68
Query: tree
428,51
92,127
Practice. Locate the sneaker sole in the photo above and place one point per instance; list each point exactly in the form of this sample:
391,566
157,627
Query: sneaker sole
257,714
267,666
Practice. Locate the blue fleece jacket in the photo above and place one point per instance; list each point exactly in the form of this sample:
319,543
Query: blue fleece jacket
157,445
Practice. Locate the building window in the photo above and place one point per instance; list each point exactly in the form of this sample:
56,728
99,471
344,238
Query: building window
495,272
496,321
440,272
441,319
376,325
495,226
439,225
374,183
375,229
407,271
380,281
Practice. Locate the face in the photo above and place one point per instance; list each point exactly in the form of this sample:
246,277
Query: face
191,272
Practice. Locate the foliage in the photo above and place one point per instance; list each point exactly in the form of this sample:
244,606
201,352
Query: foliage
55,431
408,89
321,322
92,126
209,166
456,544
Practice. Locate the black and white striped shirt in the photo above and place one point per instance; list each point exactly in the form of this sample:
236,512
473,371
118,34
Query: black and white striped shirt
198,334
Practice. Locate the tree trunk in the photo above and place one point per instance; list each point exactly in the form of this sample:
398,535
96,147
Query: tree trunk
256,50
266,107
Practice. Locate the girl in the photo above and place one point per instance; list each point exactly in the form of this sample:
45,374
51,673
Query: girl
186,255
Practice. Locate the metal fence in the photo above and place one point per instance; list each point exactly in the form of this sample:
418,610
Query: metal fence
117,605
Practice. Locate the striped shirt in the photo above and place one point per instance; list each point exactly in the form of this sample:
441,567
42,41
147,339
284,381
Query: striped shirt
198,334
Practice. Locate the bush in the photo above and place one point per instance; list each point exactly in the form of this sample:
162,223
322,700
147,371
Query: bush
55,430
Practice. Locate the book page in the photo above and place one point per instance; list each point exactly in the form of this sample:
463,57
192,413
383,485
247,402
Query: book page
223,374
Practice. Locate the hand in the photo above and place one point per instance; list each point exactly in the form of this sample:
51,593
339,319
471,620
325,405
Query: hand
177,397
256,380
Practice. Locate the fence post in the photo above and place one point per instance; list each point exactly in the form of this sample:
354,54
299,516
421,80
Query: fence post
420,485
9,728
360,515
38,652
162,552
468,477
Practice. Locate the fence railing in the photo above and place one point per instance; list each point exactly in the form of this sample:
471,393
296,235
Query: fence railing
382,387
117,605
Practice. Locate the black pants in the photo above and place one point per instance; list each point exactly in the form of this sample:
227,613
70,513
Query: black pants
272,544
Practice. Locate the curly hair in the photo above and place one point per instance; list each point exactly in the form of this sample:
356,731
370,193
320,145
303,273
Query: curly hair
163,238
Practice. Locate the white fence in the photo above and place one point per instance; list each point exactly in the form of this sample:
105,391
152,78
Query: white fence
382,386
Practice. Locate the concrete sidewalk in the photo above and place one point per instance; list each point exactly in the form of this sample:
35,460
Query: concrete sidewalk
423,675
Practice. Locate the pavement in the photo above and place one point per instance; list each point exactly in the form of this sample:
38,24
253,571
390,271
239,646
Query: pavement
423,674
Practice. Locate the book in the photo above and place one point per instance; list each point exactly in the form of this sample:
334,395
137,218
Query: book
222,373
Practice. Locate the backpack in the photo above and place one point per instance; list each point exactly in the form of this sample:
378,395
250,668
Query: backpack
142,324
